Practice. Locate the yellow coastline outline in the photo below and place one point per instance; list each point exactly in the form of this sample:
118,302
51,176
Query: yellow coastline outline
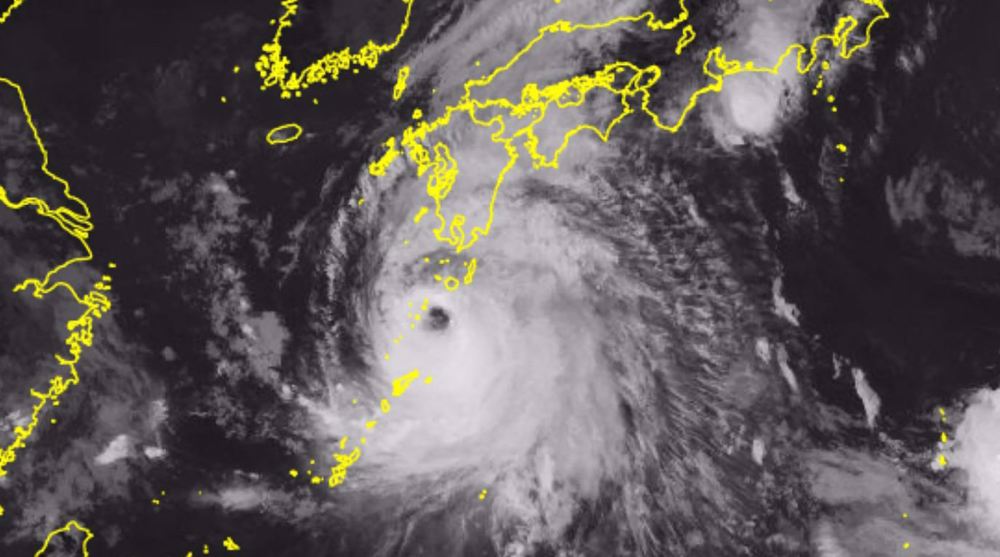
687,37
942,460
15,4
94,303
441,169
72,524
400,87
296,133
273,66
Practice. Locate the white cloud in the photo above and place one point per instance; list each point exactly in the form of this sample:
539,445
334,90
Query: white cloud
977,451
869,398
120,447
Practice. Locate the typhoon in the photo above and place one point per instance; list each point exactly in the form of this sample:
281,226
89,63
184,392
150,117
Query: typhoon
595,379
572,359
582,380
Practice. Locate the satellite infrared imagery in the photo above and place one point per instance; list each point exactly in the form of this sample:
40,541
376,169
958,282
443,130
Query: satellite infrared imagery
500,278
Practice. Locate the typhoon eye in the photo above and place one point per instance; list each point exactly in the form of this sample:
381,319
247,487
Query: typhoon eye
438,319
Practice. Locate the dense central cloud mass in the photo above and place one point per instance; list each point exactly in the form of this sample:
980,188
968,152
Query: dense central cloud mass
607,376
594,374
596,366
